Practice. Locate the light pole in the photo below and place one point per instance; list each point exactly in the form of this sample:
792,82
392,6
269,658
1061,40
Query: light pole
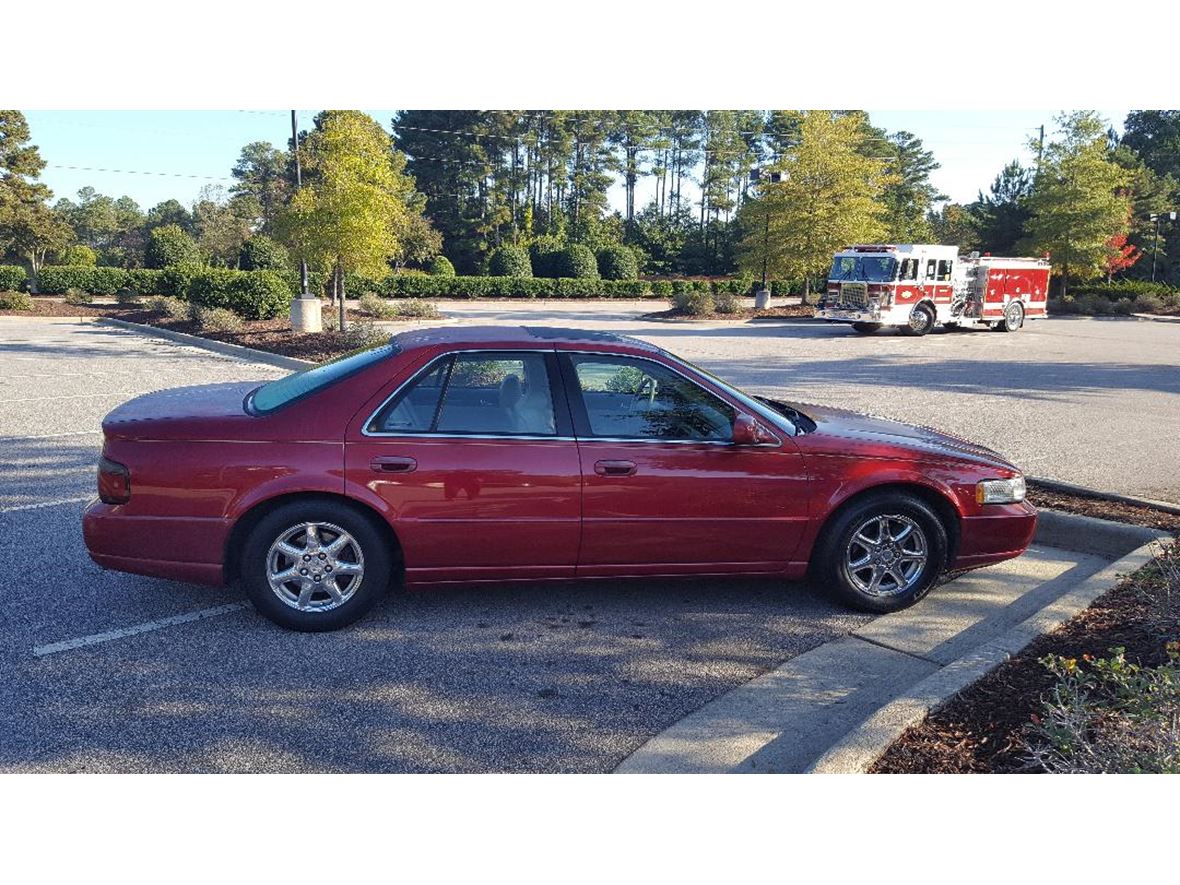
1155,243
306,315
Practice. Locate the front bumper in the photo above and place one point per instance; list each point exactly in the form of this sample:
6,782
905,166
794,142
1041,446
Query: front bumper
850,315
1001,532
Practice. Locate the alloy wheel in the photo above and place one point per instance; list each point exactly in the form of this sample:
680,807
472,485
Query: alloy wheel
315,566
886,555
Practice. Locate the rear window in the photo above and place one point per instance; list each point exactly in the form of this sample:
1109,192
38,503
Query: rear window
285,391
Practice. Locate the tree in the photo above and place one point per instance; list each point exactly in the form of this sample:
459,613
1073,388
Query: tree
909,196
28,227
1078,200
223,224
260,252
1122,255
347,215
954,225
169,245
829,197
265,179
1003,212
169,212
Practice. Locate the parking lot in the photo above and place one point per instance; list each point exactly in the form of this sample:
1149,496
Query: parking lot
104,671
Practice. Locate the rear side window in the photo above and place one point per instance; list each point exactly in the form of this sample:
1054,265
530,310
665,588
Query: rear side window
284,391
499,394
944,271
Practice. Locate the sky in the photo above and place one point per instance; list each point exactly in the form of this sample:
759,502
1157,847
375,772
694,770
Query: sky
152,156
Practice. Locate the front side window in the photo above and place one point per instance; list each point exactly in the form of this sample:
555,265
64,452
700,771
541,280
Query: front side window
930,269
944,271
909,269
638,399
474,393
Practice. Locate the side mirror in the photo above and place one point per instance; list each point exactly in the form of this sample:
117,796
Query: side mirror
748,432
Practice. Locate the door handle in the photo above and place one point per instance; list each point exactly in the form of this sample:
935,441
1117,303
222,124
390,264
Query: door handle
393,464
614,468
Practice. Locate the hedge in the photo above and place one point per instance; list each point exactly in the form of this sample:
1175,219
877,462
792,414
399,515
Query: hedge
145,281
254,295
1120,289
441,267
12,278
54,279
403,286
576,261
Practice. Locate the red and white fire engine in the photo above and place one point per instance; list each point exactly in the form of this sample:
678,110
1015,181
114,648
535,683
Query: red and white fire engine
916,286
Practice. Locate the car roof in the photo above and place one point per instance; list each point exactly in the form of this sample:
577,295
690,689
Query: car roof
515,336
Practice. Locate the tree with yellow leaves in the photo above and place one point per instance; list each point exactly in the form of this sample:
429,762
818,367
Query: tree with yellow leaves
828,196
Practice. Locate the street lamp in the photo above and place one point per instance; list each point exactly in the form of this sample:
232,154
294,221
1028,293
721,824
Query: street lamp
306,315
1155,243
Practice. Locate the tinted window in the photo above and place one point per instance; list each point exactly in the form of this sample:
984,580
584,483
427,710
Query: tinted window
930,269
279,393
642,400
476,393
944,271
909,269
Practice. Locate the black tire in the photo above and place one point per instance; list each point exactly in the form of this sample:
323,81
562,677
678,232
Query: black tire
866,328
922,319
836,550
366,547
1013,318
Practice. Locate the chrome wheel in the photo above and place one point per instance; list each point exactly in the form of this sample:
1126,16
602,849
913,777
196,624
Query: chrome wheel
1013,317
315,566
887,555
921,320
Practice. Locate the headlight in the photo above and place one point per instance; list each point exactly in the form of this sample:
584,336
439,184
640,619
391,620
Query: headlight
1000,491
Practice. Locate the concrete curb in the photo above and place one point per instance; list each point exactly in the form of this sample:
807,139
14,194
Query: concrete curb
1156,318
236,351
838,707
1068,488
857,751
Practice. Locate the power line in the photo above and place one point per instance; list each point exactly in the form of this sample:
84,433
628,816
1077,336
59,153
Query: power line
140,172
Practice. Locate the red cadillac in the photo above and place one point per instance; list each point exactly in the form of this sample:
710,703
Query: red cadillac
501,453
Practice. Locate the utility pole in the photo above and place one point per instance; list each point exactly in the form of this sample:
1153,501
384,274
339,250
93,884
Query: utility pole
303,293
1155,242
1040,149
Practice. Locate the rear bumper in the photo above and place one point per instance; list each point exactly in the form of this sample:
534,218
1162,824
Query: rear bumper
994,536
176,548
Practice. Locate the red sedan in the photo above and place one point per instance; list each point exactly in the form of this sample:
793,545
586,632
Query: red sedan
501,453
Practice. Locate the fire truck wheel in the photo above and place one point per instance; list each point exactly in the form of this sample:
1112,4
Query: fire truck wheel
882,554
866,328
1013,317
921,320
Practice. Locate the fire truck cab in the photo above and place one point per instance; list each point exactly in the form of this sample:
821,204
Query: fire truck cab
918,285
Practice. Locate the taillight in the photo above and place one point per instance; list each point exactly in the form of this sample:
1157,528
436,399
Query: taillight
114,482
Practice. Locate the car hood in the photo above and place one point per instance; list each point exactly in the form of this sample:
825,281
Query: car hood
202,412
865,434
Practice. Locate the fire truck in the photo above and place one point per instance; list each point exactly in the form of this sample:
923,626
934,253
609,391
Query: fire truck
916,286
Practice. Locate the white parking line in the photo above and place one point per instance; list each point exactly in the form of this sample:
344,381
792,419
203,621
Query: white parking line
41,651
38,399
56,503
4,439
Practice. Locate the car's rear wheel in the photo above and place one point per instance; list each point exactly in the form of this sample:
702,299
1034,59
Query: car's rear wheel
315,565
921,320
882,554
866,328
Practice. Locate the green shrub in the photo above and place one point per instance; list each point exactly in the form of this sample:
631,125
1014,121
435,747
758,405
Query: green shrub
56,279
617,263
169,245
576,262
362,333
510,261
259,295
316,281
76,297
1148,304
356,285
216,319
175,280
725,301
780,287
78,256
693,301
210,286
441,266
165,305
262,253
15,301
626,288
1121,288
662,288
145,281
127,296
376,306
419,309
13,278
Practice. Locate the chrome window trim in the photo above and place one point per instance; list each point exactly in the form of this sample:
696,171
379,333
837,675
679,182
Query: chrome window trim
426,434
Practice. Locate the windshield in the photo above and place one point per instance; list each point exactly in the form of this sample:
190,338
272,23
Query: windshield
286,390
867,268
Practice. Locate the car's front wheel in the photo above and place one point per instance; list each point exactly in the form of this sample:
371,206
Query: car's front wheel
314,566
882,554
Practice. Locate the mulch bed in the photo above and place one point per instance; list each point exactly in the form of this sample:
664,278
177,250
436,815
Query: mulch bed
981,728
790,311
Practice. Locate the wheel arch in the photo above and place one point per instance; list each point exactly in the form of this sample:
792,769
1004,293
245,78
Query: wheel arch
938,501
245,524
